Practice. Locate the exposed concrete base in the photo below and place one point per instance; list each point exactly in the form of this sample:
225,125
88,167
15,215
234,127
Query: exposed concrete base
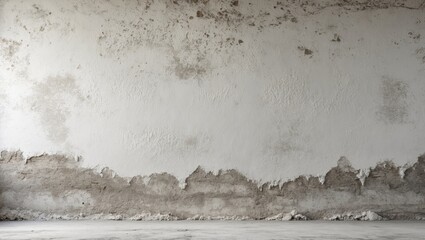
56,187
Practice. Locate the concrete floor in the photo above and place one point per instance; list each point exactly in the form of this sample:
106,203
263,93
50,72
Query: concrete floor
210,230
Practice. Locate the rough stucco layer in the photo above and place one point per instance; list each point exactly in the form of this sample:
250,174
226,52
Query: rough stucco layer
55,184
274,89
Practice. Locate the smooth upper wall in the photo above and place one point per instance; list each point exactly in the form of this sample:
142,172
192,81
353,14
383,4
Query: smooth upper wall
274,89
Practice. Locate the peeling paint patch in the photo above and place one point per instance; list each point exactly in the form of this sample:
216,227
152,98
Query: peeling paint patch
73,192
363,174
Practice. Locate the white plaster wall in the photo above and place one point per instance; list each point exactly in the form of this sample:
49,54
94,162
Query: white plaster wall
147,86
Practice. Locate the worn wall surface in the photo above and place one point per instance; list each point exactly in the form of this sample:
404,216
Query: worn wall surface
272,89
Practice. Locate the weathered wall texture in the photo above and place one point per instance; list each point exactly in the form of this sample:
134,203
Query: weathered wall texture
56,187
273,89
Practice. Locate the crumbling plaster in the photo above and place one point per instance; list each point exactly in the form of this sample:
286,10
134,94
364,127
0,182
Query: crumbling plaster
274,89
57,187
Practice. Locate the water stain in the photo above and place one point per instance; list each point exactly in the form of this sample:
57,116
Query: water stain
52,100
288,141
420,54
160,144
185,70
394,109
36,19
9,48
191,141
8,53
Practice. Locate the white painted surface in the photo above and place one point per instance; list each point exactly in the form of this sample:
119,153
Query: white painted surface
130,88
210,230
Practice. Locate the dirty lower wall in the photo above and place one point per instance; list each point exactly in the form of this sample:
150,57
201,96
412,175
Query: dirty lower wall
50,187
275,90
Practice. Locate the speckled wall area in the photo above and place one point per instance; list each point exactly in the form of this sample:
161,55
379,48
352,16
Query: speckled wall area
202,109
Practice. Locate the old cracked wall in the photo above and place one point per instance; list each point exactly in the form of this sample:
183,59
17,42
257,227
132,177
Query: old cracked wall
273,89
56,187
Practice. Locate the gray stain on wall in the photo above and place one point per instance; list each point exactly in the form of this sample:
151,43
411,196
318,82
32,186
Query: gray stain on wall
9,47
26,185
190,67
394,109
420,54
226,19
8,53
52,100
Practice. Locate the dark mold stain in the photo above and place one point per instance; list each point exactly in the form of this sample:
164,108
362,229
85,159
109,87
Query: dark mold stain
228,193
199,14
120,35
37,19
306,51
336,38
414,36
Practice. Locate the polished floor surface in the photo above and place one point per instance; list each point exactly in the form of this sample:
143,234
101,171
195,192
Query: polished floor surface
211,230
